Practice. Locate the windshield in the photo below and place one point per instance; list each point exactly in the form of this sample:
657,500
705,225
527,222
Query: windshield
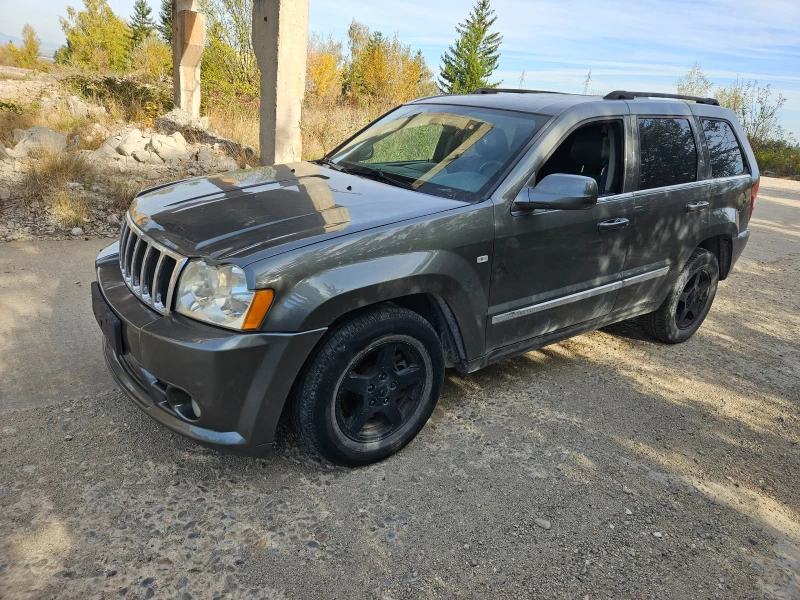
451,151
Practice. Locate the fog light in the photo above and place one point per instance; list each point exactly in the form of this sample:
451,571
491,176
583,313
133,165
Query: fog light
183,404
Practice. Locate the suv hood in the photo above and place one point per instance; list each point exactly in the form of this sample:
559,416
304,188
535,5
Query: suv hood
269,210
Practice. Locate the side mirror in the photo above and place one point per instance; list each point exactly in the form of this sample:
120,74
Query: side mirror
560,192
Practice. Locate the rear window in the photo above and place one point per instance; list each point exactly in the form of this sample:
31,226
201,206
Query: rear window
723,149
668,152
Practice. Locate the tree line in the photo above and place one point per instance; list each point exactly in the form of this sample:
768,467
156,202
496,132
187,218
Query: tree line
369,68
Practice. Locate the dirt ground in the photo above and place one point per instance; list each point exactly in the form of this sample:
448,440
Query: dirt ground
605,466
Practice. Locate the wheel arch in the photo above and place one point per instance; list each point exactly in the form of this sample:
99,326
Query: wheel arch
721,246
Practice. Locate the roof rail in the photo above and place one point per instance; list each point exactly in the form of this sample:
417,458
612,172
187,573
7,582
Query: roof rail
486,90
625,95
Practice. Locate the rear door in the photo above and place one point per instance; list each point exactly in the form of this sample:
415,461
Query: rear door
729,177
671,201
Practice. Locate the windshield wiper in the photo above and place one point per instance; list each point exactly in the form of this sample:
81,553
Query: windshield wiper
329,163
379,174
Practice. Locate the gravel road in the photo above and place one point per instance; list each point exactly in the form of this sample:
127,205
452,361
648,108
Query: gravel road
605,466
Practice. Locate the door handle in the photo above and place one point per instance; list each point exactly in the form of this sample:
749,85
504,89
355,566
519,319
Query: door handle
696,206
612,224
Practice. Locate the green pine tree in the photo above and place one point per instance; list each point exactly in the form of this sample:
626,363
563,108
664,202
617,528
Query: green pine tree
142,24
471,61
165,21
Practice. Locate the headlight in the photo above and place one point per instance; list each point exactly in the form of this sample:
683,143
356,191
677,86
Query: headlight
219,295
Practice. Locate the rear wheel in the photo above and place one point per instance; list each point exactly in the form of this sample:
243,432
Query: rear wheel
371,387
688,302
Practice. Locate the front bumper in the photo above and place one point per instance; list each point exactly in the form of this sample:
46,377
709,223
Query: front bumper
240,380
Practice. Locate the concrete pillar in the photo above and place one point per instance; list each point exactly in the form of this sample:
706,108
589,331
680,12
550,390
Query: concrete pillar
188,41
280,42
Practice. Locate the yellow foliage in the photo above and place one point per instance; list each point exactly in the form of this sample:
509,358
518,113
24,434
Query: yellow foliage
151,59
385,68
27,56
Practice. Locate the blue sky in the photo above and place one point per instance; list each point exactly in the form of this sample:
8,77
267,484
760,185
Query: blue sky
644,44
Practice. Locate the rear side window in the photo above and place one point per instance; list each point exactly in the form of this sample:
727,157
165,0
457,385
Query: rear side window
723,149
668,153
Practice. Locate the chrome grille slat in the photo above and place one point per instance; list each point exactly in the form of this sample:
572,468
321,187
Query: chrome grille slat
144,290
138,254
154,295
126,265
134,270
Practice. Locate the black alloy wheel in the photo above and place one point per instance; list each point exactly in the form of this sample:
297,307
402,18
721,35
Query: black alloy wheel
381,390
370,386
693,299
688,300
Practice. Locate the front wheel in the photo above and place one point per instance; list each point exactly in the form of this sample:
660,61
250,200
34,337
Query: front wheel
371,387
688,302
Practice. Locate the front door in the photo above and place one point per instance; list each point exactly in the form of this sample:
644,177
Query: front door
557,268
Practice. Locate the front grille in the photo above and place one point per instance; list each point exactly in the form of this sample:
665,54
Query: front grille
149,269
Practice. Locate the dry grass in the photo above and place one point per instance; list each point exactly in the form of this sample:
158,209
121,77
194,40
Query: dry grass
57,118
324,125
69,208
122,192
11,120
50,177
237,122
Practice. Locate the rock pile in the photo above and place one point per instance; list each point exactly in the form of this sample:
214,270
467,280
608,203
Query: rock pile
156,154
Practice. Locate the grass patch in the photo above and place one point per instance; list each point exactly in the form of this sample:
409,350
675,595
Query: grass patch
48,178
15,119
122,192
326,125
69,208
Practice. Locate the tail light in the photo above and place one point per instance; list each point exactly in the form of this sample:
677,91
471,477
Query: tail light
753,194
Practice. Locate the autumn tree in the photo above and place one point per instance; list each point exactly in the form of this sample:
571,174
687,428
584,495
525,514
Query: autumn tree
27,55
97,39
469,63
324,69
383,68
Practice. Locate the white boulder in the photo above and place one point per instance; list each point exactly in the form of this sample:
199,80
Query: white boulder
38,139
131,142
168,147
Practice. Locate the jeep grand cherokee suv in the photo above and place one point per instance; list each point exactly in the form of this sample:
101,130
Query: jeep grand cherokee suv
452,232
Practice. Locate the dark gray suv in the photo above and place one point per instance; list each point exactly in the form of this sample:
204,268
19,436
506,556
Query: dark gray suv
450,233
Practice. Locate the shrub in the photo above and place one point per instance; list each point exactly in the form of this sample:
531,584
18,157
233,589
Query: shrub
780,157
132,98
151,60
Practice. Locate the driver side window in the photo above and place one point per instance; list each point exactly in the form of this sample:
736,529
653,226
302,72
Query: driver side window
594,150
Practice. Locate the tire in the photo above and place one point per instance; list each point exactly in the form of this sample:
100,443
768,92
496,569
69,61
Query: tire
371,387
688,302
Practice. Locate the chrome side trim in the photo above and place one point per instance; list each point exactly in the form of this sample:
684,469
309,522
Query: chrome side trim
597,291
645,276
